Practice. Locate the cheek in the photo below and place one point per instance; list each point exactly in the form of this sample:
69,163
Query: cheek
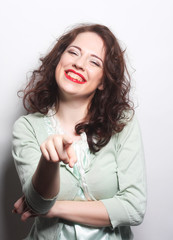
57,71
65,59
95,73
61,64
97,76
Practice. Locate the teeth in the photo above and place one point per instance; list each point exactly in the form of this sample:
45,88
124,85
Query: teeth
75,76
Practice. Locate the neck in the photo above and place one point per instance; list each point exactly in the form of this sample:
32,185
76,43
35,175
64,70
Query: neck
70,113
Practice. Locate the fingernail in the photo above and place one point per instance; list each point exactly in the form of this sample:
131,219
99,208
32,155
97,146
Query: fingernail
72,165
14,211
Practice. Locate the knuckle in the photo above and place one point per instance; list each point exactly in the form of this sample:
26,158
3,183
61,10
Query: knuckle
42,146
57,138
55,159
65,160
48,142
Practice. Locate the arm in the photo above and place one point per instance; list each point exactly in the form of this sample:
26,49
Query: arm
90,213
128,206
37,171
46,179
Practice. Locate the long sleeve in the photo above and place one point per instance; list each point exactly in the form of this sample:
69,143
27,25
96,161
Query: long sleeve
26,153
127,207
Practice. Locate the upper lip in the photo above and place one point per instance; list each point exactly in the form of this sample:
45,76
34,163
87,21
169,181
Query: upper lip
79,74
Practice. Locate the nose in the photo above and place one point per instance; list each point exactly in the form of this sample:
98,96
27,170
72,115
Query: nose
79,63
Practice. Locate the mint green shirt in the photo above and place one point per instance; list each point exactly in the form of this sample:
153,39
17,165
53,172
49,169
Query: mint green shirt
115,175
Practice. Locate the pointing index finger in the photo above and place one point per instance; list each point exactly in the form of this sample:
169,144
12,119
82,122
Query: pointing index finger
72,156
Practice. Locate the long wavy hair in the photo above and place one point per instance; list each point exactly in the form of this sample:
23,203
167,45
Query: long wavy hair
107,110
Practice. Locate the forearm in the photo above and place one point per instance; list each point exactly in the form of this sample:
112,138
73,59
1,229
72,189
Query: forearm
90,213
46,180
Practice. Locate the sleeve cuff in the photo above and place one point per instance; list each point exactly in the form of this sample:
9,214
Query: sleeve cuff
36,201
120,216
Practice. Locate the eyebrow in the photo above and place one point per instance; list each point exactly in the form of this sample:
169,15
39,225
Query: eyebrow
93,55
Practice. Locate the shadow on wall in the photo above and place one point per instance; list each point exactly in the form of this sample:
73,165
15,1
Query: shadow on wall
14,228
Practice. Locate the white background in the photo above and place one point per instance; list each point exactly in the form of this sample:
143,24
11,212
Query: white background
29,27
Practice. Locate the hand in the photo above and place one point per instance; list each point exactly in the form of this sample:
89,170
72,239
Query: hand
58,148
21,207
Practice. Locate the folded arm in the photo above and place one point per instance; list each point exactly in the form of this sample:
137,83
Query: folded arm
90,213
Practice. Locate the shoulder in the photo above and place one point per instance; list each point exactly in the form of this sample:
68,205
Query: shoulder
31,124
30,119
130,121
130,137
132,125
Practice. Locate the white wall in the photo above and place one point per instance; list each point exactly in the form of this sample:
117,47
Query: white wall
28,28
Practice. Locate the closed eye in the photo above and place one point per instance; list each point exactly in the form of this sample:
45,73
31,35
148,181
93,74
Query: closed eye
95,63
72,52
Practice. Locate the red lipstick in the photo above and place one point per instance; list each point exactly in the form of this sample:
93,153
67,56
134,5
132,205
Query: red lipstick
73,79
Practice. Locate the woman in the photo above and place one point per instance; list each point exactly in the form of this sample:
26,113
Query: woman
78,152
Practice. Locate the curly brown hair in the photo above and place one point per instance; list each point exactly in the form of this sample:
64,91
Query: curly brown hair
107,110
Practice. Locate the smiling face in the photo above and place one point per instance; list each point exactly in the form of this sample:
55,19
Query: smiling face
80,70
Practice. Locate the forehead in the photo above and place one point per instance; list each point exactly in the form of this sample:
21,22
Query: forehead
90,42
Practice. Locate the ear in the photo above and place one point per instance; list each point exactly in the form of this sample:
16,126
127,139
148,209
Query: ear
100,87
